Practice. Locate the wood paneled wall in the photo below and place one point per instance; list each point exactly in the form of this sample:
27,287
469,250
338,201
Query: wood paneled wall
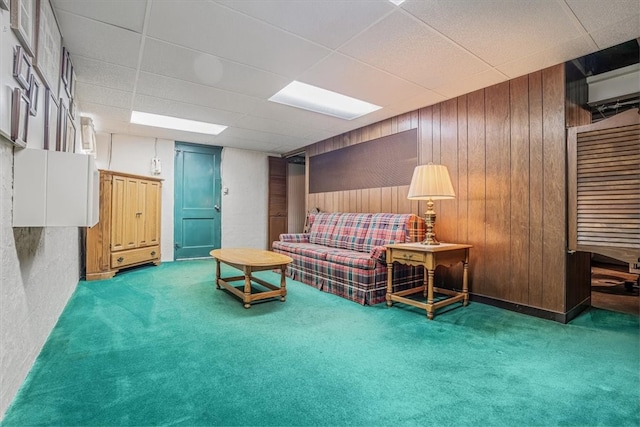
505,150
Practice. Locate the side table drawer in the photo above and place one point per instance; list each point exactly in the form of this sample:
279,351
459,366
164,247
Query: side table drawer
134,256
402,255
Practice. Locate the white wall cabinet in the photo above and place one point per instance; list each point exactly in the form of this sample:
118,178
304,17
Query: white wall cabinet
54,189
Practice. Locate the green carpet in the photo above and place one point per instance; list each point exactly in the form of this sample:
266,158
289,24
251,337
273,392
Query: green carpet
161,346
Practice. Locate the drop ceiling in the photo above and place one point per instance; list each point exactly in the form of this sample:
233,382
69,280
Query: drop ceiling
220,61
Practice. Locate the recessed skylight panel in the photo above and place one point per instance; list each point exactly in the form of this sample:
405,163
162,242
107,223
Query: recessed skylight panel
312,98
175,123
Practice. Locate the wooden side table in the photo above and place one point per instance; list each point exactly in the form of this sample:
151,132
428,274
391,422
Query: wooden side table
429,257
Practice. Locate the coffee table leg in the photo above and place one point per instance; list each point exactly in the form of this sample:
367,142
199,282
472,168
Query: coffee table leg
283,284
217,273
247,287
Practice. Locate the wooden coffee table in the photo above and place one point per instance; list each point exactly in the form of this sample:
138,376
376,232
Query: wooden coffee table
250,260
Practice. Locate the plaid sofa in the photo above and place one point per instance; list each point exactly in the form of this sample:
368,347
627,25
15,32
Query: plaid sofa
344,253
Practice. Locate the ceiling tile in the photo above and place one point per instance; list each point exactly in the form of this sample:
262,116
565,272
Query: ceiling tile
102,95
350,77
173,135
259,141
416,102
286,113
471,84
105,112
194,93
404,46
108,12
274,126
104,74
91,39
374,117
212,28
520,27
554,55
621,32
201,68
598,14
329,23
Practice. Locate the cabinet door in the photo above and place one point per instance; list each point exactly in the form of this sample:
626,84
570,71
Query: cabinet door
149,206
124,213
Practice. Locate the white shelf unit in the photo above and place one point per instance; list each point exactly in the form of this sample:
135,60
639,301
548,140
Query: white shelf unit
55,189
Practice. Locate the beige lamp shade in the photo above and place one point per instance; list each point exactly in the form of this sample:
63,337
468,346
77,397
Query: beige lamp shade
431,182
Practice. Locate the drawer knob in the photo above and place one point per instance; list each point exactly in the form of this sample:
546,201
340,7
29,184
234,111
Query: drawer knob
407,256
153,253
120,259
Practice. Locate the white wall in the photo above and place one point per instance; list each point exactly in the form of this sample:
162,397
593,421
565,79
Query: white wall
39,267
244,209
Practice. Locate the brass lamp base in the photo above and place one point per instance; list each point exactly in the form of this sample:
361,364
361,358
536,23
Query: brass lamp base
430,220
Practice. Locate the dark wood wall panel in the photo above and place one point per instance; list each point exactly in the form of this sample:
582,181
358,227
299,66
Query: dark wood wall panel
536,186
463,172
519,99
277,200
449,152
504,147
554,176
498,189
476,139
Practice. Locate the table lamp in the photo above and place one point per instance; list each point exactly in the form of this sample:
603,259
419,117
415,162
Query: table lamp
430,182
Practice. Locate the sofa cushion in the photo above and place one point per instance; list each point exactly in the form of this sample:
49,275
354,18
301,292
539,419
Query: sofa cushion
352,259
386,228
309,250
351,230
321,232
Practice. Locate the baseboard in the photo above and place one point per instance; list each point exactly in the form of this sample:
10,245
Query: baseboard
533,311
579,308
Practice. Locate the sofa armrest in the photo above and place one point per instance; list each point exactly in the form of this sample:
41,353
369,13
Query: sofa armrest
295,237
379,253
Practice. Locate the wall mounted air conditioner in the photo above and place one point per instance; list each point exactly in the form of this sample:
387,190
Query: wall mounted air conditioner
88,134
616,85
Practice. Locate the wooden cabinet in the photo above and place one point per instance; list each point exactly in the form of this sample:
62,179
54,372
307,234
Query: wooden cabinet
128,232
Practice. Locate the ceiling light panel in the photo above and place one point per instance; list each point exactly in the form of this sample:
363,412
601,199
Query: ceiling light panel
168,122
312,98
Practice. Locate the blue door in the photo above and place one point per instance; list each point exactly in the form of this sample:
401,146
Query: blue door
196,200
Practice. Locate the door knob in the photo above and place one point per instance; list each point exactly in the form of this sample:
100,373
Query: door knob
217,208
